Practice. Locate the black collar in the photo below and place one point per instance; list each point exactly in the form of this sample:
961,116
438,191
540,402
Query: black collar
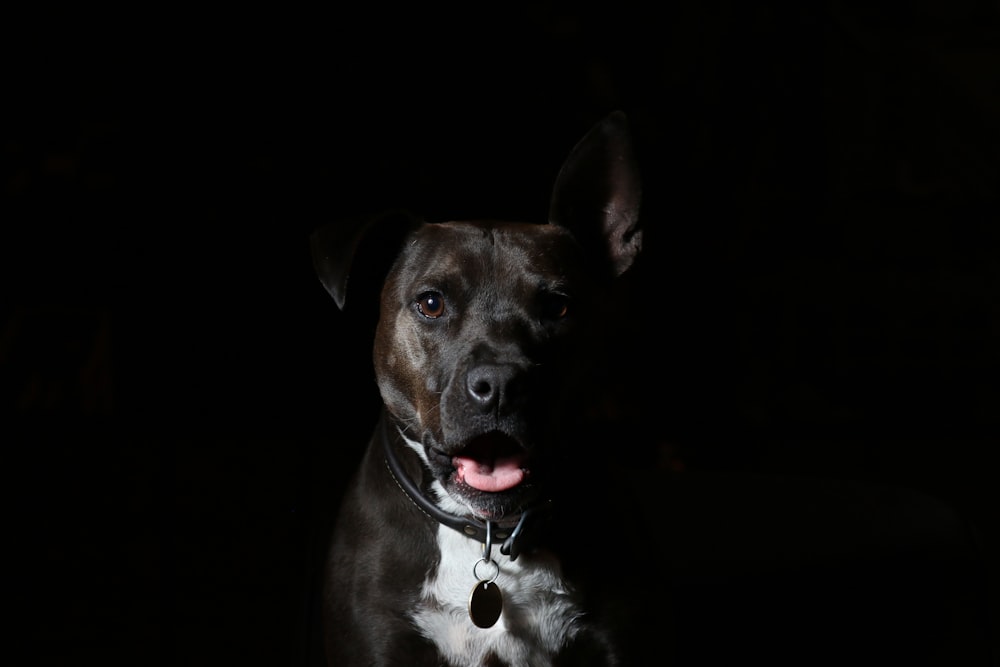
514,540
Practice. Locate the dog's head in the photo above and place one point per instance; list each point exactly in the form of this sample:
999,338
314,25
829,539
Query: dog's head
480,322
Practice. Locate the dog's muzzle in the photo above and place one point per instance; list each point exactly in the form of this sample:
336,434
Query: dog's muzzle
515,540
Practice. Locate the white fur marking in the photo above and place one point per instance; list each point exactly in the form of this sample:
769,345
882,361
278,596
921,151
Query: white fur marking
415,446
539,615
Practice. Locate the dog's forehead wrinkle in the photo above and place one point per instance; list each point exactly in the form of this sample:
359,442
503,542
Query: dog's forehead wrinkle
514,256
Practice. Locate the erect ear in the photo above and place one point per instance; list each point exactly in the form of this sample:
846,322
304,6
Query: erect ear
597,195
359,253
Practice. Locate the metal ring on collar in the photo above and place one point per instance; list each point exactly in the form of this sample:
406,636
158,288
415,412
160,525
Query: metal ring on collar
476,567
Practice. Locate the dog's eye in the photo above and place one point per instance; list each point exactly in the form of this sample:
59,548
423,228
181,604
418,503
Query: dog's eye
430,305
555,306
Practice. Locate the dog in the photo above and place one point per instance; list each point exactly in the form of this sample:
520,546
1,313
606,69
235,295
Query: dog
471,533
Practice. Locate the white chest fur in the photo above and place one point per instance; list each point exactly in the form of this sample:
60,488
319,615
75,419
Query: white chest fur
539,615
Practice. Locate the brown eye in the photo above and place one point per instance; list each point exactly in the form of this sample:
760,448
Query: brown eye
555,306
430,305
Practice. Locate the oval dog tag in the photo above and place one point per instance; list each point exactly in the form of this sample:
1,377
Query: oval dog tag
485,604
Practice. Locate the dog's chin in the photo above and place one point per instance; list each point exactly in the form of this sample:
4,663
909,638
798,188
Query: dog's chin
501,507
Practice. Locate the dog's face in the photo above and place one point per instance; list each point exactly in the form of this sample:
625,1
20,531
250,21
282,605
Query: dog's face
476,324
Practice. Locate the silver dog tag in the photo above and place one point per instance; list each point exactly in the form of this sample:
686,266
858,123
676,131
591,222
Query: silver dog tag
485,604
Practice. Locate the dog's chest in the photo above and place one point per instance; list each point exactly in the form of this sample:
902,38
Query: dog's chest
539,615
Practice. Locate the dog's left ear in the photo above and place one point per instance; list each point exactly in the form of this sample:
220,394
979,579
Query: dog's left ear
597,195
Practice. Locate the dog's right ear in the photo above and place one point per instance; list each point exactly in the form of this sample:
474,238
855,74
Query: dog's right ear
359,253
598,193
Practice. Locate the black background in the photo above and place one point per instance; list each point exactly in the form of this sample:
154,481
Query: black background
181,400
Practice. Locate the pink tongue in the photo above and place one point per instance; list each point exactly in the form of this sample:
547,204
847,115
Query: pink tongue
498,474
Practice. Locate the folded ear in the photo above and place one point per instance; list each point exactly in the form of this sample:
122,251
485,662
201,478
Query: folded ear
597,195
359,252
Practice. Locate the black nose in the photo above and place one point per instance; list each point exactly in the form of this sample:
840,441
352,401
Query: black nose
493,386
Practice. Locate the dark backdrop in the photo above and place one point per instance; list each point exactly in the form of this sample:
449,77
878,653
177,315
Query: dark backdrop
181,400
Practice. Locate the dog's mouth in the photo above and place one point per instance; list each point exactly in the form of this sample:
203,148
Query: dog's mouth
492,462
